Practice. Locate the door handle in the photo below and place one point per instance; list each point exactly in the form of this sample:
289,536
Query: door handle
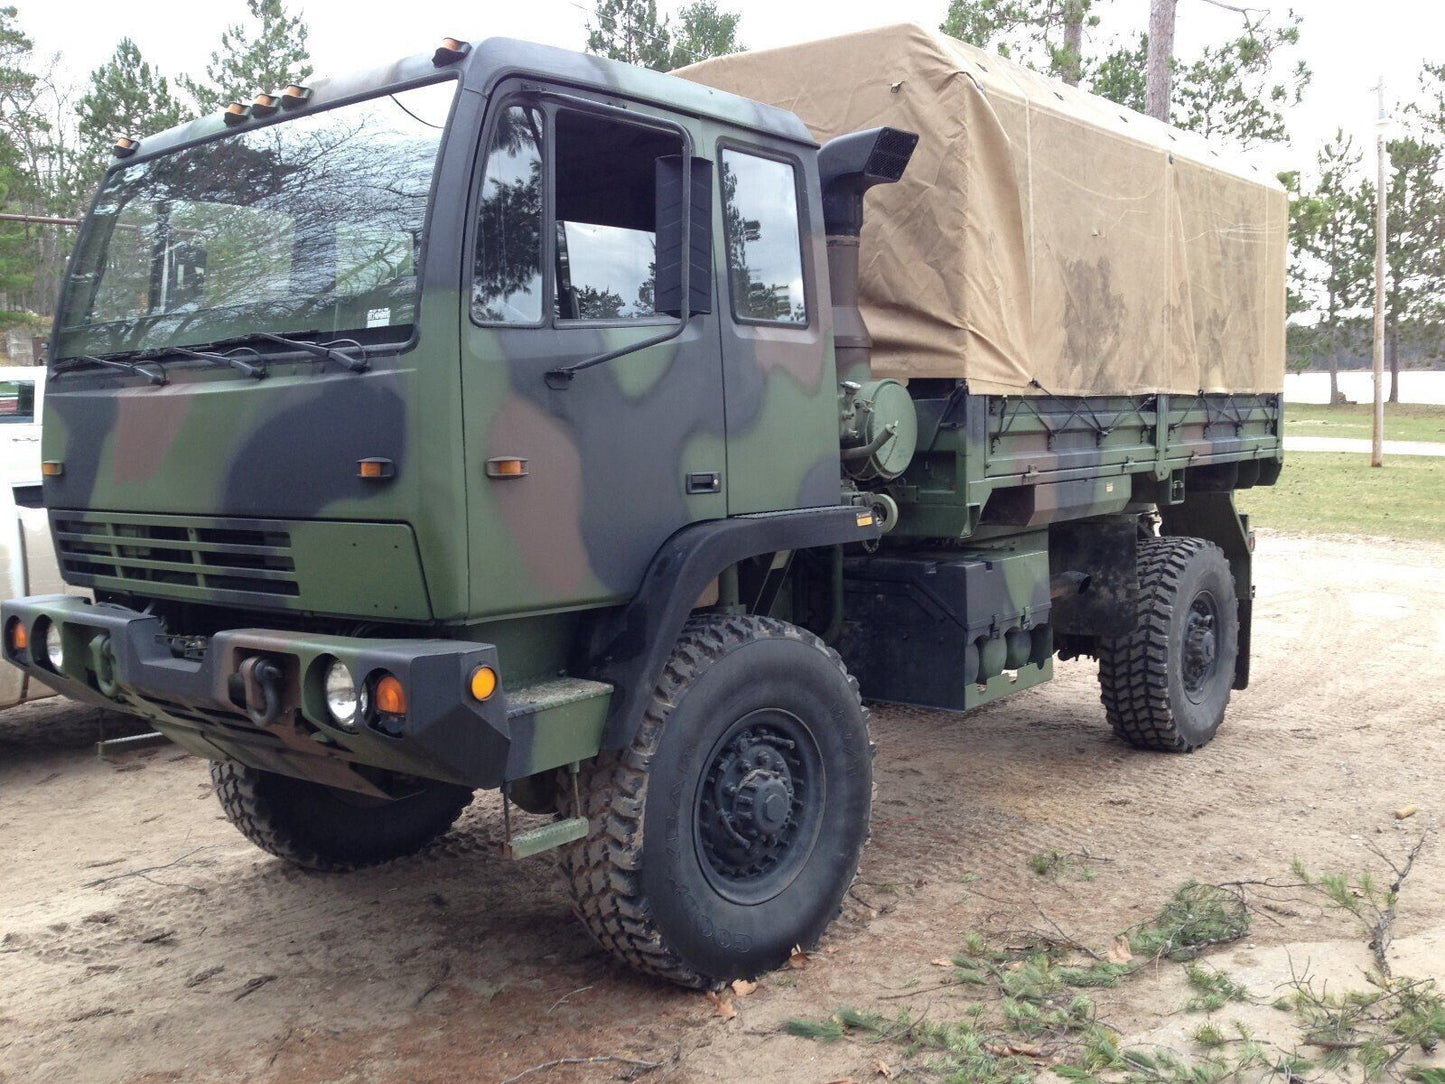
707,481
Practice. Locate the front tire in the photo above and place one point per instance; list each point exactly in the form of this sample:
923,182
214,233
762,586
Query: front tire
323,828
1166,685
728,832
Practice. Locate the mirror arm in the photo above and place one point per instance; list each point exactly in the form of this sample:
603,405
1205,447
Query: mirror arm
557,379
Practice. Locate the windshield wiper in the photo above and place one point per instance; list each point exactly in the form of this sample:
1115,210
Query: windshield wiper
239,364
328,351
156,376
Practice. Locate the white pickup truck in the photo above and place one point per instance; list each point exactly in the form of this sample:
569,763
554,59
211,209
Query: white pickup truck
25,548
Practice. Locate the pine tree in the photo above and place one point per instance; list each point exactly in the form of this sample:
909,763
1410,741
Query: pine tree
633,32
1231,90
20,129
1044,34
704,31
1340,244
127,97
265,57
1413,244
630,31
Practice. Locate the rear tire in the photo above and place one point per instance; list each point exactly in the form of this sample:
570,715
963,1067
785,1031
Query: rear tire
1166,685
729,830
324,828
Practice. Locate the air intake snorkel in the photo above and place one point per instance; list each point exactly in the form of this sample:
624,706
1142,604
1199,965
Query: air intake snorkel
847,167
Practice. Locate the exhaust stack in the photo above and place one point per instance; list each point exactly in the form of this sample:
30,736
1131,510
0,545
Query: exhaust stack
877,424
848,166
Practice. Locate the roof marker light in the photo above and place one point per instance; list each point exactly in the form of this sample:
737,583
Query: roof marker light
295,96
449,52
236,113
125,146
263,105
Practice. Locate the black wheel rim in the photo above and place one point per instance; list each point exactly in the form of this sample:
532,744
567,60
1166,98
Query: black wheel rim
759,805
1199,662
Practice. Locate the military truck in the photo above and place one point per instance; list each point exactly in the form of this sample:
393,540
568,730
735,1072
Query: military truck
509,419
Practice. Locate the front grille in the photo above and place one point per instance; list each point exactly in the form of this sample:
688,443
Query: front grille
178,555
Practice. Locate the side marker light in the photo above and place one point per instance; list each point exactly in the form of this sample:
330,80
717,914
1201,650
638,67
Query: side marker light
506,466
52,468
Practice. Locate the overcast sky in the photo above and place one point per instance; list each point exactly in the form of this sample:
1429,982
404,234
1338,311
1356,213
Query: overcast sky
1347,43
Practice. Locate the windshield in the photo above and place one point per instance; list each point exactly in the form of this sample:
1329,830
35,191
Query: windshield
313,224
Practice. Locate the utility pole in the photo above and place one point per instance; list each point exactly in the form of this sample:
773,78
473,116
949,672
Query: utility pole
1382,124
1161,54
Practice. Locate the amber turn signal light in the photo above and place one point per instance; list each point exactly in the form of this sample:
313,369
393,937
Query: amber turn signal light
18,636
450,51
506,466
484,682
390,696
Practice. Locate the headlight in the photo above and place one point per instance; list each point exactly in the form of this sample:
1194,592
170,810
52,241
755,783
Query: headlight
54,649
345,702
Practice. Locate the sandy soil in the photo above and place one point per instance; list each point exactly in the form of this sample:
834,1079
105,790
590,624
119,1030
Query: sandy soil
142,939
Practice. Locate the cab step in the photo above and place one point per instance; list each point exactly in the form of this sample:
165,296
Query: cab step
546,837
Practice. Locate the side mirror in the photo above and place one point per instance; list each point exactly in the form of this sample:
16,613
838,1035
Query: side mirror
674,251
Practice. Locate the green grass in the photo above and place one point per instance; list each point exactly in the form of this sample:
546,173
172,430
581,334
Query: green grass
1335,493
1403,421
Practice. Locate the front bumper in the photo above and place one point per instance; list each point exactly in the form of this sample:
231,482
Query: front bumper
118,658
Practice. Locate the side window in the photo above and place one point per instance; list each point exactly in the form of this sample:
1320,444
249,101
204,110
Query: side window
606,216
507,271
764,245
17,401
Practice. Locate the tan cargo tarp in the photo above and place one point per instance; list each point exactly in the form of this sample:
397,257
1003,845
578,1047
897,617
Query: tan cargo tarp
1043,239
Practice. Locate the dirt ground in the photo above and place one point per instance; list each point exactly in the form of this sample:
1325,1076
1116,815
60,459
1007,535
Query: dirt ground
142,939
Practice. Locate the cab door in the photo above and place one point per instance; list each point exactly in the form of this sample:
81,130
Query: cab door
573,484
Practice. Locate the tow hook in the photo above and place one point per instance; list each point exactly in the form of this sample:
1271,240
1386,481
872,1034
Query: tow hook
262,679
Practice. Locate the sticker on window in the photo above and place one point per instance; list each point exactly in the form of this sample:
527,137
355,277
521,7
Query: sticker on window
378,317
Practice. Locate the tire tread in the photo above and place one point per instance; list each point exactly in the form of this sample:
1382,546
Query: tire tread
1134,669
603,870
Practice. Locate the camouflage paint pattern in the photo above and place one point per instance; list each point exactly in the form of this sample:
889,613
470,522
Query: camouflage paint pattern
156,478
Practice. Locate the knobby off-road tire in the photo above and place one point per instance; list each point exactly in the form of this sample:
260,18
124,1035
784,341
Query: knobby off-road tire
323,828
1166,685
730,829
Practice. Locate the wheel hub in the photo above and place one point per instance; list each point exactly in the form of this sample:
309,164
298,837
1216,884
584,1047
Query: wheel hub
762,804
1200,645
756,803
